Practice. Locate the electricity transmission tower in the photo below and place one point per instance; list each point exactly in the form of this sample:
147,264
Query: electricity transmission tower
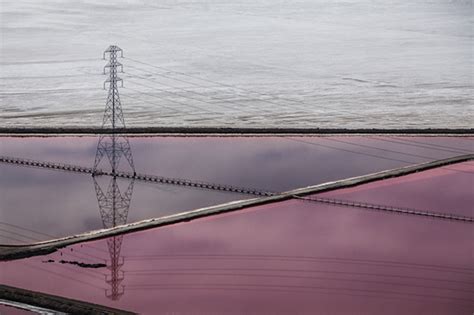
114,146
113,204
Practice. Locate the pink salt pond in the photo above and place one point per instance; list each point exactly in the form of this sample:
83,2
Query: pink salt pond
448,189
292,257
41,204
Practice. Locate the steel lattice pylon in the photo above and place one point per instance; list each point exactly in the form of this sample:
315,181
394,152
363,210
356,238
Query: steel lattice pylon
113,204
114,146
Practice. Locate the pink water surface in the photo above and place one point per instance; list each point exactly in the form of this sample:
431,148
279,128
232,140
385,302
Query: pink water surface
57,204
10,310
448,189
292,257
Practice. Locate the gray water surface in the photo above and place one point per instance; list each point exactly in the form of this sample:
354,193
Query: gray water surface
364,63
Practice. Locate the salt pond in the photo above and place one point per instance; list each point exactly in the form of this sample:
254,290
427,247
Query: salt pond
287,257
59,203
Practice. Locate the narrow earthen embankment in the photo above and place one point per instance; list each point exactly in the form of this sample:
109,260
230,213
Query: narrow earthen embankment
227,131
10,252
55,303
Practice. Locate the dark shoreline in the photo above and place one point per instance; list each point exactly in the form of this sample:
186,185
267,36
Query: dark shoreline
55,302
232,131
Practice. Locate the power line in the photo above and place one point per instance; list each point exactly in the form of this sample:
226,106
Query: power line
218,83
37,239
46,91
202,94
266,287
14,239
152,178
378,275
18,234
67,253
172,111
398,152
438,146
64,276
154,104
48,76
419,146
346,150
48,61
285,290
377,148
30,238
188,91
45,234
368,154
287,258
170,100
371,206
179,95
266,275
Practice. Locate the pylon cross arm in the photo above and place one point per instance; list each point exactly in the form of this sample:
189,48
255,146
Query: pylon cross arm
113,49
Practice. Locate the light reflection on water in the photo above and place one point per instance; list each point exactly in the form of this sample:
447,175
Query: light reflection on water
59,203
283,258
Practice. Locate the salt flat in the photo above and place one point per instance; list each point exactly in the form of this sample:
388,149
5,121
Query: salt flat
365,63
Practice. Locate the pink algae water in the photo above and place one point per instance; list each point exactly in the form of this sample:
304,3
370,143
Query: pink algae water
292,257
41,204
447,189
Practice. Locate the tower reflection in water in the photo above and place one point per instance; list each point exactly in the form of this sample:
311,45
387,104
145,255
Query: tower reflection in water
112,149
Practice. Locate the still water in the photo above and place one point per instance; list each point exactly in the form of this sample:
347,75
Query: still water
285,258
38,204
454,187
